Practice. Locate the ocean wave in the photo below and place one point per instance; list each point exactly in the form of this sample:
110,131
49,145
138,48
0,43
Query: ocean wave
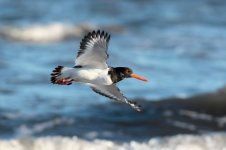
52,32
211,141
24,130
43,33
195,115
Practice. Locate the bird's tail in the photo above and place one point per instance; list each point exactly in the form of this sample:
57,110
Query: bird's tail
61,75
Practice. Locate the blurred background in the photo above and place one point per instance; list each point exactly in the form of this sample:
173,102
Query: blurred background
178,45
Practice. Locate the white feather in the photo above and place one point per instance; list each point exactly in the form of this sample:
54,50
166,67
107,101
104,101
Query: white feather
94,76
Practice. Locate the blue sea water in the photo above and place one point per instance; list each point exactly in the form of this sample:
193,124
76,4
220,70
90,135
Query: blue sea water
178,45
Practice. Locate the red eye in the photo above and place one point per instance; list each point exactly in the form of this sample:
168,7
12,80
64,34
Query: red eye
128,71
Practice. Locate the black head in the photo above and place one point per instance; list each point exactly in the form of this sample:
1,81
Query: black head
125,72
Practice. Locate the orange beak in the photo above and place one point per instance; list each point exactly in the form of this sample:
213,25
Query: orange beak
138,77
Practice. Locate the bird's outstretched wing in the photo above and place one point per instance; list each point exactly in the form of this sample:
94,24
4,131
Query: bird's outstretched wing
113,92
93,50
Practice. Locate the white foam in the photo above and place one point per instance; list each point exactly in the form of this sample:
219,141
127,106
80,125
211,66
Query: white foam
44,33
196,115
23,130
214,141
52,32
221,121
183,125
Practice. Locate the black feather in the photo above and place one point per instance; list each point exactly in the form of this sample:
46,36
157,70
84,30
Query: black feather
56,72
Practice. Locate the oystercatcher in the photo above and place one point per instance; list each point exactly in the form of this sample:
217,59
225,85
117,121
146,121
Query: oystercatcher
91,69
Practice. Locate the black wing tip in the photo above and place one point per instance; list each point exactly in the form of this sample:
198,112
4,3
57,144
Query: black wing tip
98,33
135,106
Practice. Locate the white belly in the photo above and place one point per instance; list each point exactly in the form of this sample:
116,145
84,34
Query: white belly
94,76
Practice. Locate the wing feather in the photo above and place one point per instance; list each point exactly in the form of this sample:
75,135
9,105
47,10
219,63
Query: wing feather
93,50
113,92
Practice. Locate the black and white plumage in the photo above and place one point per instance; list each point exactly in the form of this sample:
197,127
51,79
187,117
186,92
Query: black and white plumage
91,68
93,50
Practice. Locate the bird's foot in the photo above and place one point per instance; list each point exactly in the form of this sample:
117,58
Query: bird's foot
64,81
57,79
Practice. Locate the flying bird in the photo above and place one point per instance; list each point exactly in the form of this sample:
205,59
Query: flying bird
91,68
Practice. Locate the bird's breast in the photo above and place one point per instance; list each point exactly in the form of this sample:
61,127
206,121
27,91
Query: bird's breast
94,76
